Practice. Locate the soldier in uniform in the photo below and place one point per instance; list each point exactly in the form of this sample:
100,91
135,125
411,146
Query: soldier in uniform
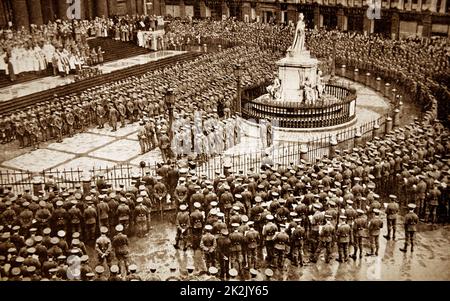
75,217
223,252
237,241
90,220
374,226
196,221
142,137
343,238
268,234
251,239
208,245
103,247
411,220
391,211
120,245
326,234
100,112
141,218
122,113
113,116
183,225
281,241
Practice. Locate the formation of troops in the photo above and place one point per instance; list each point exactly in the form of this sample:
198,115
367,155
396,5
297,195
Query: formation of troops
244,224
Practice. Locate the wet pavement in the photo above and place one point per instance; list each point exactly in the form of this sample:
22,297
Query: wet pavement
430,260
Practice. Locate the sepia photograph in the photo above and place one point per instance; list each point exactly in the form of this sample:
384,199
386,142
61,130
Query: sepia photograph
224,140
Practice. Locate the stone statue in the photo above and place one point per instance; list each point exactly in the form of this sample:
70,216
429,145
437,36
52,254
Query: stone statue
274,88
299,39
320,86
309,91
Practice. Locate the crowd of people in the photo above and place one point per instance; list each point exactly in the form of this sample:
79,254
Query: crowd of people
243,224
58,48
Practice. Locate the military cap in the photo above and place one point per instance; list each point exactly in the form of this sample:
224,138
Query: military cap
139,200
84,258
268,272
213,270
197,205
183,207
12,250
15,271
224,232
208,227
38,238
376,211
42,204
76,235
31,250
244,218
269,217
235,225
119,228
99,269
349,202
317,205
132,268
6,235
29,242
25,204
103,229
213,203
54,240
233,272
258,199
16,228
393,197
412,206
114,269
61,233
342,217
220,214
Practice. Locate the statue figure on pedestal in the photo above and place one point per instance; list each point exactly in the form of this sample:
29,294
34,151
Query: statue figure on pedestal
320,86
298,46
274,89
309,91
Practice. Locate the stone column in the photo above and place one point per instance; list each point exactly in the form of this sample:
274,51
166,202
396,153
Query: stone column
140,7
442,9
131,7
86,185
202,9
388,125
182,9
395,25
367,25
112,7
89,9
162,5
426,22
101,8
419,5
316,17
35,12
292,14
400,5
433,5
62,10
340,19
20,12
48,11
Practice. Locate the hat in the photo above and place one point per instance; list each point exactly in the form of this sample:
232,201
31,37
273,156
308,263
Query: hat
132,268
114,269
183,207
119,228
197,205
268,272
233,272
360,211
213,270
269,217
54,240
208,227
29,242
103,229
342,217
61,233
84,258
391,196
412,206
214,203
376,211
349,202
224,232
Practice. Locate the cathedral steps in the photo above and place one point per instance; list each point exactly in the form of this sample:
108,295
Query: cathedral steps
78,87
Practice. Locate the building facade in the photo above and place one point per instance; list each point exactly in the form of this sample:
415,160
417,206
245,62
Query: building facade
395,18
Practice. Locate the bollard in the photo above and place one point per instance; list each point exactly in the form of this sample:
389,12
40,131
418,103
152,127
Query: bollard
86,184
358,140
378,84
393,95
332,150
388,125
304,152
205,48
396,117
219,48
343,67
387,88
376,131
367,80
356,75
37,186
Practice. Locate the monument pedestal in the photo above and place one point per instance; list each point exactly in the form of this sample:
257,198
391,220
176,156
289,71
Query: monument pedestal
293,72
